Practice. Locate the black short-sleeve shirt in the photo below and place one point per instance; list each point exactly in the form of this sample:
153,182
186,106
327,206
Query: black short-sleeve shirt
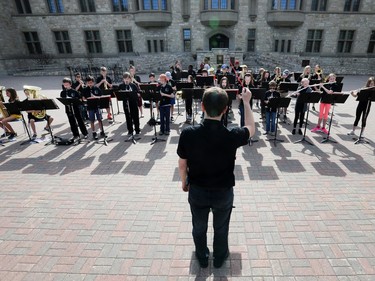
210,151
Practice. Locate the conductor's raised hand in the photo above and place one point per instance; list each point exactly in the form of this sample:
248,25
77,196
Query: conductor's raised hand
246,95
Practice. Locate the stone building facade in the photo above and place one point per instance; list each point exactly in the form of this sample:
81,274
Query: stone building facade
152,34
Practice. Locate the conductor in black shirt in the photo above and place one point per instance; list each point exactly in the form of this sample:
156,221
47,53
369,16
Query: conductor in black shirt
207,154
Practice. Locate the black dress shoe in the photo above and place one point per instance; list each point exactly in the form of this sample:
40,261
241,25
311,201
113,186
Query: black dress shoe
203,262
218,262
300,131
294,131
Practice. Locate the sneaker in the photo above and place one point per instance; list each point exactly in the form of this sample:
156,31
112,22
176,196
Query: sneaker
94,135
325,131
300,131
218,262
167,133
109,116
47,129
33,137
130,134
316,129
294,131
85,137
351,133
266,133
12,136
161,133
102,134
313,108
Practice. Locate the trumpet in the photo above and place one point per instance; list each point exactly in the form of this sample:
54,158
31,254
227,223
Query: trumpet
319,72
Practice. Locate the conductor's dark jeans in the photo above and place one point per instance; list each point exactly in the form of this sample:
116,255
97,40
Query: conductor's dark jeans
221,203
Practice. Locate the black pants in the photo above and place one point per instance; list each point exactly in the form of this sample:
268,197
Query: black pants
74,118
361,110
221,203
131,115
189,106
299,114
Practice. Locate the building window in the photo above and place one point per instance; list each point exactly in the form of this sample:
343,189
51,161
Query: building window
63,42
155,5
94,45
283,46
87,6
251,40
345,42
187,39
120,5
352,5
314,41
55,6
155,46
285,4
218,4
319,5
23,6
124,41
371,45
33,43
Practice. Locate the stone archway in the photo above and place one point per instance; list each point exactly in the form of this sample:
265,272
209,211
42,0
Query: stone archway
218,40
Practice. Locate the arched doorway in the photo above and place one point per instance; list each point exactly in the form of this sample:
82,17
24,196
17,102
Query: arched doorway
218,40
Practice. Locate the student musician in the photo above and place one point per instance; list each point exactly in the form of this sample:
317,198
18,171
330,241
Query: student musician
130,104
32,93
248,82
73,112
301,107
325,107
79,85
361,108
136,80
5,119
92,91
189,102
271,112
172,83
166,92
236,68
104,82
305,74
276,75
283,93
191,71
318,76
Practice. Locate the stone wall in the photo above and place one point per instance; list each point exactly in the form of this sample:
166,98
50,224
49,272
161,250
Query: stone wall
14,54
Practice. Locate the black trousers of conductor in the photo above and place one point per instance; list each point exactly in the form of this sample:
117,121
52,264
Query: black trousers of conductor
131,115
75,117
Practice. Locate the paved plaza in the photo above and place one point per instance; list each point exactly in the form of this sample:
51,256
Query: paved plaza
98,213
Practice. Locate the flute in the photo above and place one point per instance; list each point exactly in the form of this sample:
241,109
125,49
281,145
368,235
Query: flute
314,85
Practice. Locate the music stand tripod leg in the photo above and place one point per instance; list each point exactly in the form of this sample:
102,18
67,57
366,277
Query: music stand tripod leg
327,138
28,133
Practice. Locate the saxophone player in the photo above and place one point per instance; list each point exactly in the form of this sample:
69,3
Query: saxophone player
32,93
104,82
4,120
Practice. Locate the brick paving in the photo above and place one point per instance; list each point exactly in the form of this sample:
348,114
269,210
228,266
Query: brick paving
99,213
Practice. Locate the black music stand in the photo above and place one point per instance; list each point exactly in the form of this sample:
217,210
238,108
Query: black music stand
203,81
277,103
149,92
369,96
265,85
43,104
288,86
98,103
15,108
232,95
112,93
197,95
297,75
312,97
71,103
332,99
